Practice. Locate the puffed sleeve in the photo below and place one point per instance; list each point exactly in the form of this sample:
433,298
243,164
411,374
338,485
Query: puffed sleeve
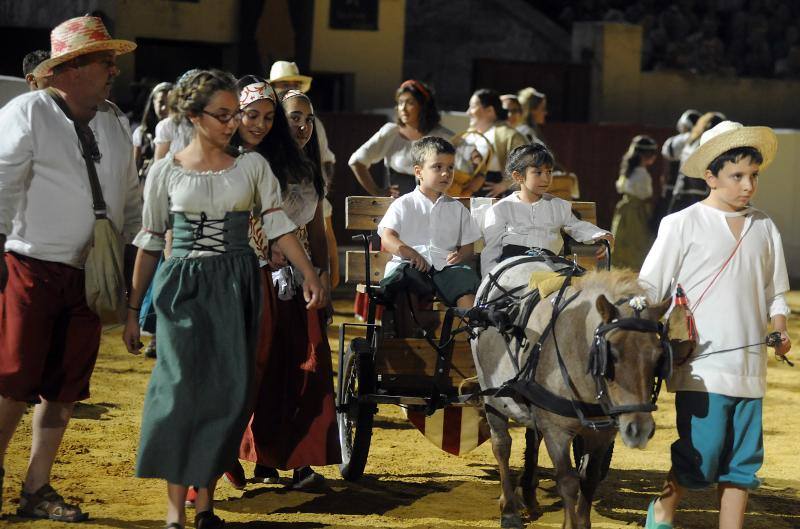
393,218
16,157
663,260
165,131
580,230
155,212
376,148
274,221
494,226
778,278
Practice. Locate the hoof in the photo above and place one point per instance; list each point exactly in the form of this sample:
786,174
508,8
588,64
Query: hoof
511,521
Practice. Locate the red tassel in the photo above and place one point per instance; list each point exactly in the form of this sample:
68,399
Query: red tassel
681,301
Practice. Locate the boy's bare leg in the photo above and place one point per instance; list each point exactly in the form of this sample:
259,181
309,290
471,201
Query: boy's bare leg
176,508
10,413
667,503
50,420
205,498
466,301
732,506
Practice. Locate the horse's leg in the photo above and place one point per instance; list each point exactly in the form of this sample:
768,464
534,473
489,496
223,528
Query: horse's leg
596,447
559,443
501,448
530,475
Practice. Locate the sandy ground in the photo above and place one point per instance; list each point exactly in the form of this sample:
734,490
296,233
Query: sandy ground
409,482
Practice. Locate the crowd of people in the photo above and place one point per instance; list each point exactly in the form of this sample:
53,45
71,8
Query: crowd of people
221,188
750,38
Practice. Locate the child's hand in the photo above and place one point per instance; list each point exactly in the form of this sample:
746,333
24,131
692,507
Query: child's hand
784,346
601,251
413,257
494,189
393,191
454,258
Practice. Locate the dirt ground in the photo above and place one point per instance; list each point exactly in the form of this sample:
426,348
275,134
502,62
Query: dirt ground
409,483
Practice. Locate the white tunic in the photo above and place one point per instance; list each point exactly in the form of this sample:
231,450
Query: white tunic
178,135
511,221
691,247
248,185
639,184
388,145
433,229
45,198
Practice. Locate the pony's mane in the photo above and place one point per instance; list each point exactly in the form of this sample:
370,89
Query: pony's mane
615,284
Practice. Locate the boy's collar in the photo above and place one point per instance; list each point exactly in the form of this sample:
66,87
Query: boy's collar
419,189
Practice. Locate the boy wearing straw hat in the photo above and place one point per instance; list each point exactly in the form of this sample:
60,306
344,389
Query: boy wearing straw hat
728,257
49,338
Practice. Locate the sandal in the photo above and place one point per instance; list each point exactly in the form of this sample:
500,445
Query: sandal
49,504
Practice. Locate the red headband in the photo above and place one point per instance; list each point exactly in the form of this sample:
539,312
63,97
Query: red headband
413,83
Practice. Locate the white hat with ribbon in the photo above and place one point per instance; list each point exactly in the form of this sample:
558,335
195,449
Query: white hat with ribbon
729,135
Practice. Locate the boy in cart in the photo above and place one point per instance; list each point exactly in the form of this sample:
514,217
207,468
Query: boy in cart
430,234
728,257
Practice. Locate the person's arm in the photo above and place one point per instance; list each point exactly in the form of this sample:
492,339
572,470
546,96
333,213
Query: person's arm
494,227
3,267
390,240
662,265
779,325
319,246
132,222
143,272
161,150
461,255
364,178
776,288
313,291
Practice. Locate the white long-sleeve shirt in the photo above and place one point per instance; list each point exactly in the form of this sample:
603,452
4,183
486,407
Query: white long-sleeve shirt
511,221
691,247
388,145
45,199
639,184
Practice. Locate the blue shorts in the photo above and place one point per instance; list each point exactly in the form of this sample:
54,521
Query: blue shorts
719,440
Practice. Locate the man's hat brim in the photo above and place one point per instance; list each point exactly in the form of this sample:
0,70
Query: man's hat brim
120,47
304,80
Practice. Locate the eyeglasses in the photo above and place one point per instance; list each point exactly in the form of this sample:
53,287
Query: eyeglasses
226,117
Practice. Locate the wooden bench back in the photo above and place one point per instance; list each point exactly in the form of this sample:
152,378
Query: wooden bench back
365,213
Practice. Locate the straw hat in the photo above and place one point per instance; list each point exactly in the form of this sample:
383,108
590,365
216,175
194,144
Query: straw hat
726,136
288,72
79,36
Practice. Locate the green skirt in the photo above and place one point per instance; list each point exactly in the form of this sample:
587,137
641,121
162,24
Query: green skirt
197,402
631,229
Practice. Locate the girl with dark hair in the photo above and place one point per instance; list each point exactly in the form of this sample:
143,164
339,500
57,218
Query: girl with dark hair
630,225
417,116
154,110
487,118
207,296
294,420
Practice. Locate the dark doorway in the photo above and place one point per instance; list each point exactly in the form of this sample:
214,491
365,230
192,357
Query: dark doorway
16,43
165,60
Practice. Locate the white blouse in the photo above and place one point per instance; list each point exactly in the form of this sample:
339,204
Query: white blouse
691,247
639,184
178,135
390,146
511,221
247,185
300,203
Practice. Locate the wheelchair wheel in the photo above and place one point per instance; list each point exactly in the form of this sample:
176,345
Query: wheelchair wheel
355,416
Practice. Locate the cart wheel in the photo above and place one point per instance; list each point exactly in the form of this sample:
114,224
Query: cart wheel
354,417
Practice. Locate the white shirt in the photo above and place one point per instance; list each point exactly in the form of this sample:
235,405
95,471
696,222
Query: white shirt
639,184
433,229
390,146
511,221
691,247
673,146
248,185
45,198
325,153
178,135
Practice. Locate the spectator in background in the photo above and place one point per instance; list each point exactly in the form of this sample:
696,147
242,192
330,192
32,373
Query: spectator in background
144,135
534,111
687,191
174,132
29,63
515,116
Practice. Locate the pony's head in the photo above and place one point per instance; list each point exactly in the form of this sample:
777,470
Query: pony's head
629,352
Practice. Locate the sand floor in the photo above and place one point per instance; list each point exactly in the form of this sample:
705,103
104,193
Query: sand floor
409,483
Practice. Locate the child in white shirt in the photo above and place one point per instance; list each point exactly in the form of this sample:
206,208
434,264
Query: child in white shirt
729,259
531,218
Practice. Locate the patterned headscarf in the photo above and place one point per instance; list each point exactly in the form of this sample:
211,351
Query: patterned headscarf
255,92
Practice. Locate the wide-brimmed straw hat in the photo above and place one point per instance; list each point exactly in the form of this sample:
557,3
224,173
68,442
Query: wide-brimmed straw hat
79,36
726,136
288,72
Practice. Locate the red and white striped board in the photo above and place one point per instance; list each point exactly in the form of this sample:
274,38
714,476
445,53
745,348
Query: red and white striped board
454,429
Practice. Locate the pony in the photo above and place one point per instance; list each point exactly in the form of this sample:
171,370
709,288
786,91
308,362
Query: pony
597,339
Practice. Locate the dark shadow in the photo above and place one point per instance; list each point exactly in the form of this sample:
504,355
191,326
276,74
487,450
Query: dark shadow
385,423
118,524
269,525
92,411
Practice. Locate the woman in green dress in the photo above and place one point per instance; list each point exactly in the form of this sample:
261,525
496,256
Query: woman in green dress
207,297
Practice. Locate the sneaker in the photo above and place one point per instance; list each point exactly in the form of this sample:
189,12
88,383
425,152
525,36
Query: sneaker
208,520
235,476
264,474
191,496
306,478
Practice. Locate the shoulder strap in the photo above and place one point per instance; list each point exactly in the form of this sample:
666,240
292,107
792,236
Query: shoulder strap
83,131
